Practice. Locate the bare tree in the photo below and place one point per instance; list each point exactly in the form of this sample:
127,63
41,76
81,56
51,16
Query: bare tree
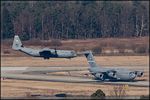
119,91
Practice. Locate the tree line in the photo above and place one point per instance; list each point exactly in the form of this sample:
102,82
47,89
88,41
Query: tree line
74,19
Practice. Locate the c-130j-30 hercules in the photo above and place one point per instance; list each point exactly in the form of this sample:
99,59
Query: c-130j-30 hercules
110,74
46,53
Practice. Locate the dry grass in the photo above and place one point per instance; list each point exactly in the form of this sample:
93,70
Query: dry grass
101,60
135,44
21,87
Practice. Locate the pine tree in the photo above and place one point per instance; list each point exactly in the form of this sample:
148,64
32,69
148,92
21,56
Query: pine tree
7,25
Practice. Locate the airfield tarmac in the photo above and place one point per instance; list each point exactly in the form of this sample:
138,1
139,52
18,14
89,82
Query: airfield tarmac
84,86
44,74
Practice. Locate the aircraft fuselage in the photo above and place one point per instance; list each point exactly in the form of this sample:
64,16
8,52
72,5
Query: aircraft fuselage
48,53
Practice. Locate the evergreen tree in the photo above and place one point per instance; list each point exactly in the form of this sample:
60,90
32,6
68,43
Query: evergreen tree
7,25
74,20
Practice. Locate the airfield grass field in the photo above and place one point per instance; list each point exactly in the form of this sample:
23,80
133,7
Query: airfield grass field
78,61
19,88
15,88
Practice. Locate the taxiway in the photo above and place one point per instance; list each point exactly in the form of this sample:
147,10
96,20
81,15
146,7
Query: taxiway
40,74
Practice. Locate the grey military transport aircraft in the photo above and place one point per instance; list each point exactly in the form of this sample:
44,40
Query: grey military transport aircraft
46,53
107,74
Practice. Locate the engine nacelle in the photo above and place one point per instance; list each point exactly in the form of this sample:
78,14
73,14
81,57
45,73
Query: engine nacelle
138,73
112,74
99,75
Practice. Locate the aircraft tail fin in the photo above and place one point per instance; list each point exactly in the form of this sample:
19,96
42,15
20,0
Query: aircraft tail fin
90,58
17,43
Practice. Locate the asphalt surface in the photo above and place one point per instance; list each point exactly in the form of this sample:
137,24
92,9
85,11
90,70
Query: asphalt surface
39,74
